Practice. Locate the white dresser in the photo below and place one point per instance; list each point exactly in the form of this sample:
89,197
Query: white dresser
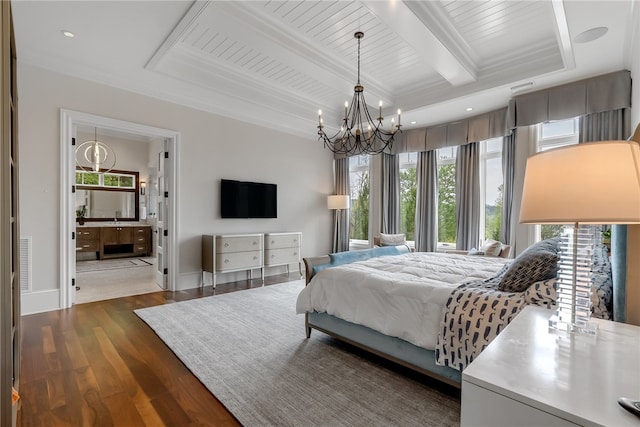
283,249
225,253
530,377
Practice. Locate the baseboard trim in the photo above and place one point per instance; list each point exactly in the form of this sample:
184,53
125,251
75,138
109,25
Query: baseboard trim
39,301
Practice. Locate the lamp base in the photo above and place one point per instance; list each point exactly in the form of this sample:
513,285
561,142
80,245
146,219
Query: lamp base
574,281
557,324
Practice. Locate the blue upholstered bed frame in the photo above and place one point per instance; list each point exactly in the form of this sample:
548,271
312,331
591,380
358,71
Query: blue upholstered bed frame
391,348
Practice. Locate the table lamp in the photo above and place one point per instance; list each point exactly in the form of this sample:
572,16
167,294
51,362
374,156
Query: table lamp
581,185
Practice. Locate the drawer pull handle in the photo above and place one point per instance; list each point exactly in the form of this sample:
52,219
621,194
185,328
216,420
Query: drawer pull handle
273,256
226,260
295,253
255,243
255,257
273,241
226,245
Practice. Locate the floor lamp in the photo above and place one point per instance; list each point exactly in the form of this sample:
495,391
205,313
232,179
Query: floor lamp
338,203
582,184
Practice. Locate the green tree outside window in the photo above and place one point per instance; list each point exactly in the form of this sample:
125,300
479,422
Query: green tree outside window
111,180
359,227
408,191
493,217
447,203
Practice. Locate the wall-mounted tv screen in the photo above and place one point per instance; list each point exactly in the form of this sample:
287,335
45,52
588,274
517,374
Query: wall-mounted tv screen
239,199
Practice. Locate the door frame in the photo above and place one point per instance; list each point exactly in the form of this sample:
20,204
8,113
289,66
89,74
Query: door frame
69,119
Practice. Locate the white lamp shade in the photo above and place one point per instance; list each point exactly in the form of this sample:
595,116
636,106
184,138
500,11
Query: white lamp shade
589,183
339,201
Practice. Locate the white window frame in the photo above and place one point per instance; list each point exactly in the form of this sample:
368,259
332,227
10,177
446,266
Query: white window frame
543,144
408,164
360,243
445,246
484,156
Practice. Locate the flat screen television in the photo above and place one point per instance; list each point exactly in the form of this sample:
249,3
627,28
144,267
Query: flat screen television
240,199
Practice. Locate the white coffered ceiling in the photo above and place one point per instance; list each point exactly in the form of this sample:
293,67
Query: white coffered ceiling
275,63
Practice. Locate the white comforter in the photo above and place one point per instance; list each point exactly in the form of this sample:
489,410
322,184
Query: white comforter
401,296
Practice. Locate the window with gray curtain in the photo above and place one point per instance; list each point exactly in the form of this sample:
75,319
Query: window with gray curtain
603,126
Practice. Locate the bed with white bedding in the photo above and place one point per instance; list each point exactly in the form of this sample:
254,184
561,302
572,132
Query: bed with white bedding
433,312
401,296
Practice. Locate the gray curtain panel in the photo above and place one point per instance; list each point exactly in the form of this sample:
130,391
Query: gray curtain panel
468,197
508,173
427,202
341,217
604,126
390,194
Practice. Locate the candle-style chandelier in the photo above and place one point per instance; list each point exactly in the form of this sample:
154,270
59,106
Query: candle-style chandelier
359,133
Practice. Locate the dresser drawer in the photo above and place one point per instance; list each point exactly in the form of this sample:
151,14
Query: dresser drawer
238,261
141,231
140,249
92,233
87,246
278,241
281,256
230,244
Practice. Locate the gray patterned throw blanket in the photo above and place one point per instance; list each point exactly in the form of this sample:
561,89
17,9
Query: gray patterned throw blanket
477,311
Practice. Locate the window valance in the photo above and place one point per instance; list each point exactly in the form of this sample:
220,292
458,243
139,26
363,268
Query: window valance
474,129
597,94
602,93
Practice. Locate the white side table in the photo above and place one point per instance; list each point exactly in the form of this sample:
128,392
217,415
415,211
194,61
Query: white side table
530,377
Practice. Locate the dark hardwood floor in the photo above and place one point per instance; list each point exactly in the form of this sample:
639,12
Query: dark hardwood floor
98,364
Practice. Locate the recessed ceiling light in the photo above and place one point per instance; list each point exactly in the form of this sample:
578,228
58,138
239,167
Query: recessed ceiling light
468,109
68,34
590,35
413,122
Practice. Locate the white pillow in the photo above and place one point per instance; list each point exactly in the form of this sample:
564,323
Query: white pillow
392,239
491,247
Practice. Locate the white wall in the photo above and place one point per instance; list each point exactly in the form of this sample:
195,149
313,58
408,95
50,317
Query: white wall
212,148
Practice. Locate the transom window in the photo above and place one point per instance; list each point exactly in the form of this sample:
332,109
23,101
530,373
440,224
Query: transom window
106,180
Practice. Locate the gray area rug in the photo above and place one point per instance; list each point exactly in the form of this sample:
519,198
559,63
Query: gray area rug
249,349
110,264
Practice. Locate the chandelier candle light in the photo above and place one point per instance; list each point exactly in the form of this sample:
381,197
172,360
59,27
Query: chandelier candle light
359,133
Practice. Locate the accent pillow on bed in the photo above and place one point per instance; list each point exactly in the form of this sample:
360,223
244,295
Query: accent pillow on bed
491,247
392,239
601,284
538,262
